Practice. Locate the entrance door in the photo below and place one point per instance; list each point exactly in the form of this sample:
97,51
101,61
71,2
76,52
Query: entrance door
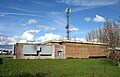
60,54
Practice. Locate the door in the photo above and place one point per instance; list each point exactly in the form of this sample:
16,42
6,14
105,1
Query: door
60,54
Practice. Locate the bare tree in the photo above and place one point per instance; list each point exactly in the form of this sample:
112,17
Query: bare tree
109,33
91,36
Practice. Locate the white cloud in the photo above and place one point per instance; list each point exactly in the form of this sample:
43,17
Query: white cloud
49,36
93,2
30,21
27,36
74,29
6,40
87,4
11,40
45,28
22,14
22,41
79,39
96,19
49,28
87,19
63,1
99,19
33,31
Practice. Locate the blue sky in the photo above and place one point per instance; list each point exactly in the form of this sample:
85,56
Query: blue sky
42,20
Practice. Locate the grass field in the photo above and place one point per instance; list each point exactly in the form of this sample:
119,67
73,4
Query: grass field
59,68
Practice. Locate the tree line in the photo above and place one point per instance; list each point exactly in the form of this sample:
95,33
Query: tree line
109,33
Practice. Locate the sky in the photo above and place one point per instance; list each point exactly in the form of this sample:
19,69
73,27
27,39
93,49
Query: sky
42,20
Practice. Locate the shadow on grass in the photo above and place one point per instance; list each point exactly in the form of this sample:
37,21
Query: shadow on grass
30,75
111,62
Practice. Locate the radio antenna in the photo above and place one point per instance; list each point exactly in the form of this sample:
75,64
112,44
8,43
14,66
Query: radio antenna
68,10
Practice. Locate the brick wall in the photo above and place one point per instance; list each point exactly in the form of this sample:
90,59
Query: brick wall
19,51
82,50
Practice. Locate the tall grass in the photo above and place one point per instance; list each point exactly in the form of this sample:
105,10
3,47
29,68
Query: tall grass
59,68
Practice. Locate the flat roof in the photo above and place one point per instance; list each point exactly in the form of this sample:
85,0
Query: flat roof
71,41
64,41
30,43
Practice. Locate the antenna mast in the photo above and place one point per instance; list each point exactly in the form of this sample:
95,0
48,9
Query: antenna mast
68,10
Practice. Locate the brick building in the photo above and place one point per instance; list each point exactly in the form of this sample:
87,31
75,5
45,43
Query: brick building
61,49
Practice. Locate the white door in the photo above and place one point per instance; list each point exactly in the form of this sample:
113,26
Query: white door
60,54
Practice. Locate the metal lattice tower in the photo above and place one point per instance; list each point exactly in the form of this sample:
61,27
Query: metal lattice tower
68,10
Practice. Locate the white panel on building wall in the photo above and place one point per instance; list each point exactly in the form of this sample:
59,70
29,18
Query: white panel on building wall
38,48
46,50
29,49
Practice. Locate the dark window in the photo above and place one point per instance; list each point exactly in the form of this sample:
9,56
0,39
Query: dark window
97,56
45,54
30,55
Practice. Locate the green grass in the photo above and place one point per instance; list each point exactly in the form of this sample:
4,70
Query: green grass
59,68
